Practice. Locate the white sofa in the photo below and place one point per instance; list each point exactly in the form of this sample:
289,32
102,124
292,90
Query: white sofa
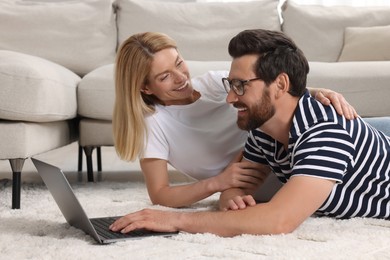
46,47
56,60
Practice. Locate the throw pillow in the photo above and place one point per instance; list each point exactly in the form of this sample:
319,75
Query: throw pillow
201,30
366,44
319,30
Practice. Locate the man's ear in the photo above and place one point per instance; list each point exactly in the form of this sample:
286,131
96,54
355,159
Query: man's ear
282,83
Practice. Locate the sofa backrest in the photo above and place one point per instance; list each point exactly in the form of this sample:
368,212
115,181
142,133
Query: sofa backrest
79,35
202,30
319,30
84,35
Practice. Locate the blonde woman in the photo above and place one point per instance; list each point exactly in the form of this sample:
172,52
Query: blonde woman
162,117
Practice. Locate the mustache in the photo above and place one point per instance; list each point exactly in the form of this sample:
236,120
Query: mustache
239,104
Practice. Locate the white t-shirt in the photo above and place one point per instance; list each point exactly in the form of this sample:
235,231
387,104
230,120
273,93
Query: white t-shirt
198,139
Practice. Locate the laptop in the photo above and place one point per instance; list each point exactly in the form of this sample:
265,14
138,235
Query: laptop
75,215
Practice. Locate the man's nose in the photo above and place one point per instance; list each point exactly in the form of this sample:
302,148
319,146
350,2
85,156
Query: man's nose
231,97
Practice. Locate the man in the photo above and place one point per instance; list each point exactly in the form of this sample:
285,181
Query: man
330,166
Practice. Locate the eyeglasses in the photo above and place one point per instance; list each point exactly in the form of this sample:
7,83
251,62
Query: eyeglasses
237,85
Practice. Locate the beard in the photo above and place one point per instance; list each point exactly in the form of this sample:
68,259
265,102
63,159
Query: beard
257,114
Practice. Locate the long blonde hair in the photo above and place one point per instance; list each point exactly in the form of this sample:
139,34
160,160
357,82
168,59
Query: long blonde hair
133,63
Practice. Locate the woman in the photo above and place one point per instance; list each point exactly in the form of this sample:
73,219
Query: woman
163,116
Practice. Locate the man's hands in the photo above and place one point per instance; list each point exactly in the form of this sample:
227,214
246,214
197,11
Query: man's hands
154,220
327,97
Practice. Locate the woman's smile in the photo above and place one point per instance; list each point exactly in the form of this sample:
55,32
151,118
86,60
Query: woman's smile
183,88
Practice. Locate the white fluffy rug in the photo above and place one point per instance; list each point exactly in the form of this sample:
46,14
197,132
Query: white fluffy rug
39,231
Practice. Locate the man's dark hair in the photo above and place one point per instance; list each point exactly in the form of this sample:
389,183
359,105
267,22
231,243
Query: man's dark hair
277,54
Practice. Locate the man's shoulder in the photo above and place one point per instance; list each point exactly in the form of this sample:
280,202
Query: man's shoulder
310,113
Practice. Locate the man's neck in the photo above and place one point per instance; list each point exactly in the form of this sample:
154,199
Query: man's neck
278,127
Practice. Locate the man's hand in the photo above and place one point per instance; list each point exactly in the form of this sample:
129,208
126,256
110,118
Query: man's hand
154,220
327,97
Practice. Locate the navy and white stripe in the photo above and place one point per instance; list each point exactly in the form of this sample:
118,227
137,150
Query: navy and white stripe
325,145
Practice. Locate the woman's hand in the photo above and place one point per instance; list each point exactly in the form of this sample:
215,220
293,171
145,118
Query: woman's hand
240,202
327,97
239,174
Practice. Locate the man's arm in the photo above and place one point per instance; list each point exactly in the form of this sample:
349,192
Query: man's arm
298,199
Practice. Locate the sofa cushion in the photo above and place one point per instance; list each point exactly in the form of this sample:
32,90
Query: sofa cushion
36,90
319,30
80,35
202,30
96,133
364,85
26,139
366,44
96,93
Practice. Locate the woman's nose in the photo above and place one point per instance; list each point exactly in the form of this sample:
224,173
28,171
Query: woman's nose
180,76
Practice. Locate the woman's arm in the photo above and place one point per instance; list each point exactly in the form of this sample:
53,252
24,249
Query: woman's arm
327,97
237,174
162,193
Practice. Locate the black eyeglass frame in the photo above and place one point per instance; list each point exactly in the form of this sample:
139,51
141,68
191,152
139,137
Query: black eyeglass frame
238,85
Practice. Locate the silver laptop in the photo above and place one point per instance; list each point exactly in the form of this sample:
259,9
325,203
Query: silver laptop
75,215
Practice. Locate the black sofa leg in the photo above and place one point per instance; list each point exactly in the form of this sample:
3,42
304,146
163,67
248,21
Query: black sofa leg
99,158
17,166
99,163
88,155
80,162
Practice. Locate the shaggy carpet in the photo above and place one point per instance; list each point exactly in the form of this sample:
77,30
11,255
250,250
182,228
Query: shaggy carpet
39,231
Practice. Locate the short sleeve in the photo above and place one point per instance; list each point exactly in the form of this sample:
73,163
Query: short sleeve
156,144
326,151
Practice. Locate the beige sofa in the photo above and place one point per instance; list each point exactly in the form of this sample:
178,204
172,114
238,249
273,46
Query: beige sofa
56,60
46,47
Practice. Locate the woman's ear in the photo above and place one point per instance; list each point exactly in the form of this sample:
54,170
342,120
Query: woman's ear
146,90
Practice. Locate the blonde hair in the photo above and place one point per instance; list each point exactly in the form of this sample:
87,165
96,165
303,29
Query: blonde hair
132,69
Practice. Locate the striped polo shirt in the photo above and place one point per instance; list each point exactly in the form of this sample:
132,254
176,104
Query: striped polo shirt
325,145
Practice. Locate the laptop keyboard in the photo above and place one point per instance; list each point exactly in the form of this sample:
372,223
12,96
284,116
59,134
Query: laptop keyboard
102,228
